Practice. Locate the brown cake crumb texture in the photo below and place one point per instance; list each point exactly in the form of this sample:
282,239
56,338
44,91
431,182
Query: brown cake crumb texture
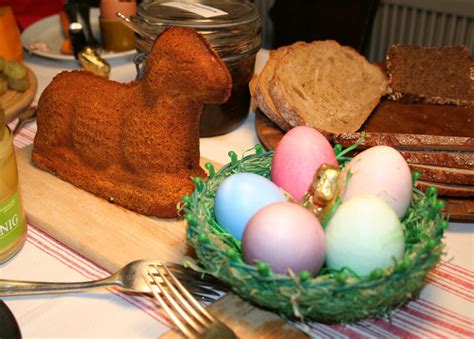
135,144
436,75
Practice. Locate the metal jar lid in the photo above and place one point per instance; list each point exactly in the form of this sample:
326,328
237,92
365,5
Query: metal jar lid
231,27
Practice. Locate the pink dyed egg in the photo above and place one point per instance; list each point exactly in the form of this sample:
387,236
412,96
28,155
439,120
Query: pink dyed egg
285,235
297,157
381,171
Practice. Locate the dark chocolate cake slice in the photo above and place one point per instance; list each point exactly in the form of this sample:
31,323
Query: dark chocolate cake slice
436,75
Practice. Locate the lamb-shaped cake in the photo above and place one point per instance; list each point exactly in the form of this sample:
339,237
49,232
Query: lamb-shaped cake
135,144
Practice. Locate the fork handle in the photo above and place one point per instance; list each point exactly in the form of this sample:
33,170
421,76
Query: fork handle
19,287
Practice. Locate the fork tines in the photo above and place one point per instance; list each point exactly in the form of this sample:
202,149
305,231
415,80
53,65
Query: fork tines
186,313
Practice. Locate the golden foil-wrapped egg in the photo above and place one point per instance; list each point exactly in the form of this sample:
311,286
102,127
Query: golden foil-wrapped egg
323,191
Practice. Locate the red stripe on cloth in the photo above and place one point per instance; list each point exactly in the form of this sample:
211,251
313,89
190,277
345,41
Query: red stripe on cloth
19,145
24,137
443,325
442,310
375,329
398,331
356,330
450,320
324,331
452,278
460,269
72,264
69,251
152,312
450,289
347,331
410,322
368,329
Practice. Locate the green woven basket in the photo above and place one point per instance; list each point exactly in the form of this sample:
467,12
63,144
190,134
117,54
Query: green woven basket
332,296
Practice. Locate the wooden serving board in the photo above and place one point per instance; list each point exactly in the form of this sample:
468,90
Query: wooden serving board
14,102
112,236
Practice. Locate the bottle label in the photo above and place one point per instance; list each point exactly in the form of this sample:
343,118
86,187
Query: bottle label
12,223
196,8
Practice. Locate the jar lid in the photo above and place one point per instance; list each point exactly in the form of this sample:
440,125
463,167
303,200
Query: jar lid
199,14
231,27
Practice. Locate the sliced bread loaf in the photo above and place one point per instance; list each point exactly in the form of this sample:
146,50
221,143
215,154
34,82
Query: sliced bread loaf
436,75
327,86
443,174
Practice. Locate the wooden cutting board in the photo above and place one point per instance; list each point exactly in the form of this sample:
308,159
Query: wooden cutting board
112,236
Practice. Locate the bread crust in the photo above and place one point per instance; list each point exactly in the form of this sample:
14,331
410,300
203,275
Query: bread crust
447,175
440,158
420,142
136,144
262,94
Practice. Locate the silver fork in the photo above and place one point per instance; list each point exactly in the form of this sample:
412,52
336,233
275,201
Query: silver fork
185,312
128,278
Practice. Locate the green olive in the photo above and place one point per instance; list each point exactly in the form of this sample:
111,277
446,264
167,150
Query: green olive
15,70
19,85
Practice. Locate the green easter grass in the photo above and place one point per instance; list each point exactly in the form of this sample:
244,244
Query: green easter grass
332,296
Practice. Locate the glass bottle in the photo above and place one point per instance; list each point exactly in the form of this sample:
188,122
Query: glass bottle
13,225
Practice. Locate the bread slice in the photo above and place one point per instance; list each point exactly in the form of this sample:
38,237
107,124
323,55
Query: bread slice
440,158
435,75
449,190
412,142
446,175
262,91
327,86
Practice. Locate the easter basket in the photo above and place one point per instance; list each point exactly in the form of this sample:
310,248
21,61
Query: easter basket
333,296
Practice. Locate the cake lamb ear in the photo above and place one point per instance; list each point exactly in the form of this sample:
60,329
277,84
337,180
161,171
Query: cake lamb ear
182,53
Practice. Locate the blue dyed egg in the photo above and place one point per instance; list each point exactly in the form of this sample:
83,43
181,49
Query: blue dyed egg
240,196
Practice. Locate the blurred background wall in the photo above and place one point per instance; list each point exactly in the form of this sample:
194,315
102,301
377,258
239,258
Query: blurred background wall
370,26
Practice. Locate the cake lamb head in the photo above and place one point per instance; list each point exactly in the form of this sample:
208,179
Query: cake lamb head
134,144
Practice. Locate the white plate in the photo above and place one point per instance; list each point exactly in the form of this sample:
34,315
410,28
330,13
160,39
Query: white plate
49,31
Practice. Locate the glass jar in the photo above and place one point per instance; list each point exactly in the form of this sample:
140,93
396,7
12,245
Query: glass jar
232,29
12,218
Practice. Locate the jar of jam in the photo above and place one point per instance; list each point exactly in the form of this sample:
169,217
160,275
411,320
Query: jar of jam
12,217
232,29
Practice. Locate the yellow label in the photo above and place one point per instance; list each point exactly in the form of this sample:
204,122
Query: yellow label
12,221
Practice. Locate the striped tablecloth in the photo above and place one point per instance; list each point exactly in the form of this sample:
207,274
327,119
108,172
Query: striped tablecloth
444,308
